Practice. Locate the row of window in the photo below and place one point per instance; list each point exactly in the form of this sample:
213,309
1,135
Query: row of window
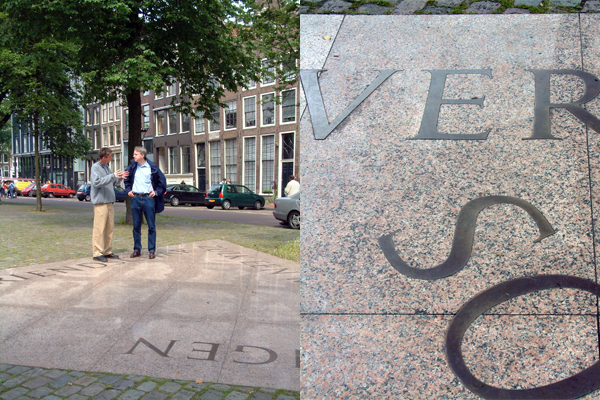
107,137
167,120
110,112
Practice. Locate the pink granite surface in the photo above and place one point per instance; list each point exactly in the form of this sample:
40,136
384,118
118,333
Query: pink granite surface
367,179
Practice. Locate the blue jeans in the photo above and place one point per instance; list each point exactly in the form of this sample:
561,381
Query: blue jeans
139,205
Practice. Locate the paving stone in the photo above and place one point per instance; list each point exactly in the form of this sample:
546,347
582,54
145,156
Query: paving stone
303,9
107,395
68,390
195,386
221,387
17,370
268,390
136,378
335,5
372,9
409,6
85,380
23,398
591,6
14,393
77,374
528,3
183,395
449,3
211,395
37,382
62,381
170,387
285,397
512,10
565,3
236,396
436,10
154,395
261,396
4,376
40,392
93,389
132,395
32,373
110,379
76,397
124,384
51,398
55,373
4,367
483,7
246,389
17,380
146,386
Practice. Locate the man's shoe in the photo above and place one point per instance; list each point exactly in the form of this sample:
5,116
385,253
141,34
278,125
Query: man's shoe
135,254
101,259
112,256
151,255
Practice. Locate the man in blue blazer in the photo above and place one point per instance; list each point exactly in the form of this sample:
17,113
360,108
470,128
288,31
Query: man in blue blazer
146,185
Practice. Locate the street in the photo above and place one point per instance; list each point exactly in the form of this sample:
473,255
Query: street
263,217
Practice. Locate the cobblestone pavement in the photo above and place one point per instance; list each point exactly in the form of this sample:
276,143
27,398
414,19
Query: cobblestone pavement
408,7
30,383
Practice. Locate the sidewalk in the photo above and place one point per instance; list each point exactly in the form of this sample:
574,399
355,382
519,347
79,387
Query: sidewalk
201,312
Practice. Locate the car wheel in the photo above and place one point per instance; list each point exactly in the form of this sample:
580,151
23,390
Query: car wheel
257,205
51,195
70,195
241,207
210,207
79,199
294,220
226,205
88,197
174,201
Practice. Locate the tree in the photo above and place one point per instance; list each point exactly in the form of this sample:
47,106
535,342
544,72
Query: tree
41,90
5,147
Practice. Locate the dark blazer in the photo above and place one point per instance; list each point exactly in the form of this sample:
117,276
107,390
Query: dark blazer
159,183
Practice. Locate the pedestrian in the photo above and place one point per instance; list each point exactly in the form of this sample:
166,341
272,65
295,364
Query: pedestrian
146,185
11,189
2,191
229,181
102,194
292,187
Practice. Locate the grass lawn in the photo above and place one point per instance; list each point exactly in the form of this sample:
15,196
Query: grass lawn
61,233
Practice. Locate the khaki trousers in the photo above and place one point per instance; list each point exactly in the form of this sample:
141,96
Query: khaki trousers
104,224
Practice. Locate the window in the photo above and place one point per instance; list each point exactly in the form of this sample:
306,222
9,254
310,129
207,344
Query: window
251,84
172,121
146,92
268,109
110,111
287,146
231,115
117,110
185,122
215,162
111,138
250,162
269,76
148,146
185,160
231,160
268,162
88,134
98,142
158,95
288,106
88,116
117,159
104,137
161,122
146,116
199,123
96,115
250,112
118,134
171,90
173,163
216,124
103,113
127,120
201,160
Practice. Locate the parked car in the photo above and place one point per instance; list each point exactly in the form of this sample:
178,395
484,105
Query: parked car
57,190
287,209
231,195
184,194
83,193
27,190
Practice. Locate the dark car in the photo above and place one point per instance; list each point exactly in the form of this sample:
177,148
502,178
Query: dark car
83,193
231,195
184,194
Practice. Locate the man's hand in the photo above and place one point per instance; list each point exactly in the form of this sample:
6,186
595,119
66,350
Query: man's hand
125,174
152,193
130,194
118,173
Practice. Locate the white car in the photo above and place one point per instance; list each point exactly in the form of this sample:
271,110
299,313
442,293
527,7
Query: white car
287,209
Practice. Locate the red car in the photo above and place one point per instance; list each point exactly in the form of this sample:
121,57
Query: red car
27,190
57,190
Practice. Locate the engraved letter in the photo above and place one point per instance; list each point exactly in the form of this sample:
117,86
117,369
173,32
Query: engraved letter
431,115
321,126
211,353
155,349
272,355
541,121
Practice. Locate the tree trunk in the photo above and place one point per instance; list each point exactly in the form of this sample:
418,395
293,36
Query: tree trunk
134,102
36,145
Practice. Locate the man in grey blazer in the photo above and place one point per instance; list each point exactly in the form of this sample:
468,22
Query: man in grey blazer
102,193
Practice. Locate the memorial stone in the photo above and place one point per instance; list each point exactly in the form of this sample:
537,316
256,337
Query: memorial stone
450,198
